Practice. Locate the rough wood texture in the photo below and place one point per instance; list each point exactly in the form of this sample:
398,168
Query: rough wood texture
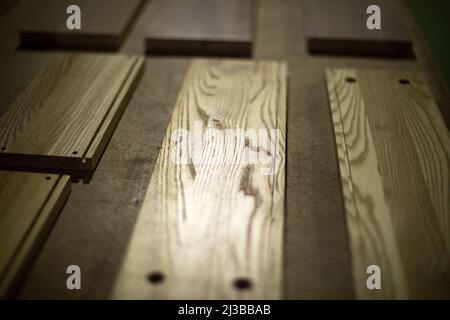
394,157
200,27
210,228
66,115
104,24
339,27
29,204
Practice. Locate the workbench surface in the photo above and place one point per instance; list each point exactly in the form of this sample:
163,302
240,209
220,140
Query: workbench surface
97,221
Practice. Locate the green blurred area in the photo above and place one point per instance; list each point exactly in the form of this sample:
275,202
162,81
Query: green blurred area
433,18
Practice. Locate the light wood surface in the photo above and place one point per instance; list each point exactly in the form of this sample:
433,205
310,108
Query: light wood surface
339,27
66,115
394,156
104,24
95,225
200,27
29,204
209,228
6,5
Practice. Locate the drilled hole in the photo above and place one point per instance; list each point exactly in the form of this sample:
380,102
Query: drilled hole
350,79
242,284
75,152
3,148
48,178
404,81
155,277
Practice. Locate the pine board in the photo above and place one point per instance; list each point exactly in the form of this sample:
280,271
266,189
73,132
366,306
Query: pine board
394,155
339,27
200,27
66,115
208,228
5,5
29,204
104,24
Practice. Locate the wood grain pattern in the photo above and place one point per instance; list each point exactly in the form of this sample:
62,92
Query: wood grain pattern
339,27
315,240
104,24
394,155
200,27
210,227
66,115
29,204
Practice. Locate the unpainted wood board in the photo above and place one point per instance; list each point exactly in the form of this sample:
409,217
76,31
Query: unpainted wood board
65,116
104,24
208,227
315,235
339,27
29,204
394,158
200,27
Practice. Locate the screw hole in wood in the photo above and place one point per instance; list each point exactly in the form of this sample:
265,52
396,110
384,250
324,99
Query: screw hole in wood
155,277
350,79
404,81
242,284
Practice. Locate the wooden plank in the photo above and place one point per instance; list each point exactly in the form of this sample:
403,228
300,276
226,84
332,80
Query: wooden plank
213,228
29,204
394,155
315,241
66,115
339,27
200,27
104,24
